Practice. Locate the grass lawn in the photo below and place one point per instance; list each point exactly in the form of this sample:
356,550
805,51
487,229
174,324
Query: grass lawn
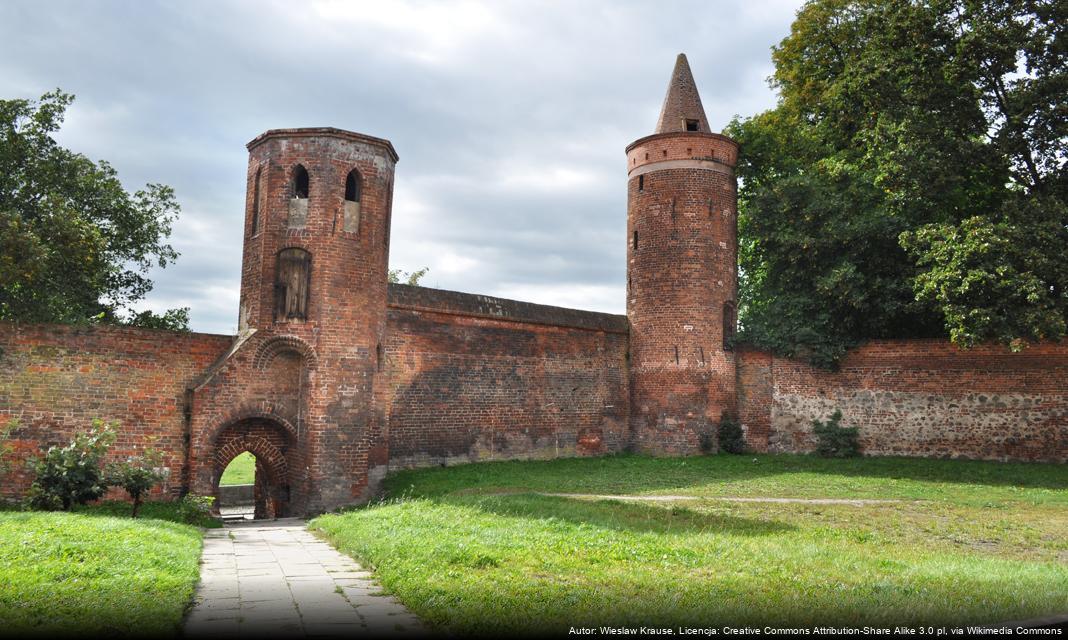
475,548
88,573
241,470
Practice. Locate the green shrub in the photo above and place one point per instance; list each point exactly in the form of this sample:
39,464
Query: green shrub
834,441
194,509
731,437
137,475
72,474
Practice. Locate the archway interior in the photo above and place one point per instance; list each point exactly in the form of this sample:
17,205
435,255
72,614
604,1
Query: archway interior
237,494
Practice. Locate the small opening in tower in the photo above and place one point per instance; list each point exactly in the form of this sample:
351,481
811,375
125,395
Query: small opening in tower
378,356
635,241
352,186
300,182
256,202
693,125
641,183
729,323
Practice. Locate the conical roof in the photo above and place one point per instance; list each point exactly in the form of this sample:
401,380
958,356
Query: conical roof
682,110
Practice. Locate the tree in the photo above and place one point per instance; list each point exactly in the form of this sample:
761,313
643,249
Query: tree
71,475
889,124
395,276
137,475
75,246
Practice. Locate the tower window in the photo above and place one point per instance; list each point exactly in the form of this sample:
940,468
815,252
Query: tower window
300,182
298,201
693,125
352,186
641,183
729,322
351,222
635,240
256,202
292,282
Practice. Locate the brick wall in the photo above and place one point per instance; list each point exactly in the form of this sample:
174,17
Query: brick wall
56,379
481,378
915,398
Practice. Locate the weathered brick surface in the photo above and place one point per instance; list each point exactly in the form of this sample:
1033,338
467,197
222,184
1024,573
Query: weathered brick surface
481,378
54,380
916,398
681,277
334,416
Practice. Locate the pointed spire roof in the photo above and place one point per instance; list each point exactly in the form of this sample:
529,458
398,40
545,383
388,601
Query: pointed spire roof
682,103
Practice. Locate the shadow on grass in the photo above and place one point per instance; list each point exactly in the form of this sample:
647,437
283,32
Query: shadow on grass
619,515
626,473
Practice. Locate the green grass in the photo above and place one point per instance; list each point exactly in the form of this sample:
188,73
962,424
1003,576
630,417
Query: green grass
474,548
90,574
241,470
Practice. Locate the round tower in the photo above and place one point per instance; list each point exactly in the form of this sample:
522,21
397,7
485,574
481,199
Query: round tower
314,278
681,276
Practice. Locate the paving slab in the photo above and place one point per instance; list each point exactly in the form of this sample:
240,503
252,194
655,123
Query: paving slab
272,578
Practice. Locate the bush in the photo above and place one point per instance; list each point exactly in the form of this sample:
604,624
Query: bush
72,475
137,474
834,441
194,509
731,437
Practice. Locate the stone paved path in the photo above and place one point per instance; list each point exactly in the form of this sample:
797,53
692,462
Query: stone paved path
273,578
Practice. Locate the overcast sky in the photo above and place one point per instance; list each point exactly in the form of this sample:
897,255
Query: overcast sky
510,119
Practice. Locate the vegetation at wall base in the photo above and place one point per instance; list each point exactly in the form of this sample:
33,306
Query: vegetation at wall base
72,475
479,549
84,574
731,436
834,440
911,181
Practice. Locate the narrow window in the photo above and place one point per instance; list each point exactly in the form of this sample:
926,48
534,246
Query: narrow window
635,241
693,125
256,202
298,198
292,282
676,354
378,354
351,222
300,182
728,325
641,183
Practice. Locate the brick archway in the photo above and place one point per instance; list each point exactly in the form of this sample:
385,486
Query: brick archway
273,446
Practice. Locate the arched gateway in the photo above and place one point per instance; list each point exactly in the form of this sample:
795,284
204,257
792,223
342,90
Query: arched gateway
273,445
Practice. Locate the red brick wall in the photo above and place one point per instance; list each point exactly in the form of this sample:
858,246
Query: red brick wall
480,378
916,398
56,379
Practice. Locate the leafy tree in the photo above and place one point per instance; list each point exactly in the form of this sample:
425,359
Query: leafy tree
70,475
888,124
75,246
137,475
412,278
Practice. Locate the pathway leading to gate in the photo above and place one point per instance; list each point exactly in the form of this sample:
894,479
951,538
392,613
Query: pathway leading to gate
274,578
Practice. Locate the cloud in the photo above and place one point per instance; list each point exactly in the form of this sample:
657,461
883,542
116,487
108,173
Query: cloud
510,118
